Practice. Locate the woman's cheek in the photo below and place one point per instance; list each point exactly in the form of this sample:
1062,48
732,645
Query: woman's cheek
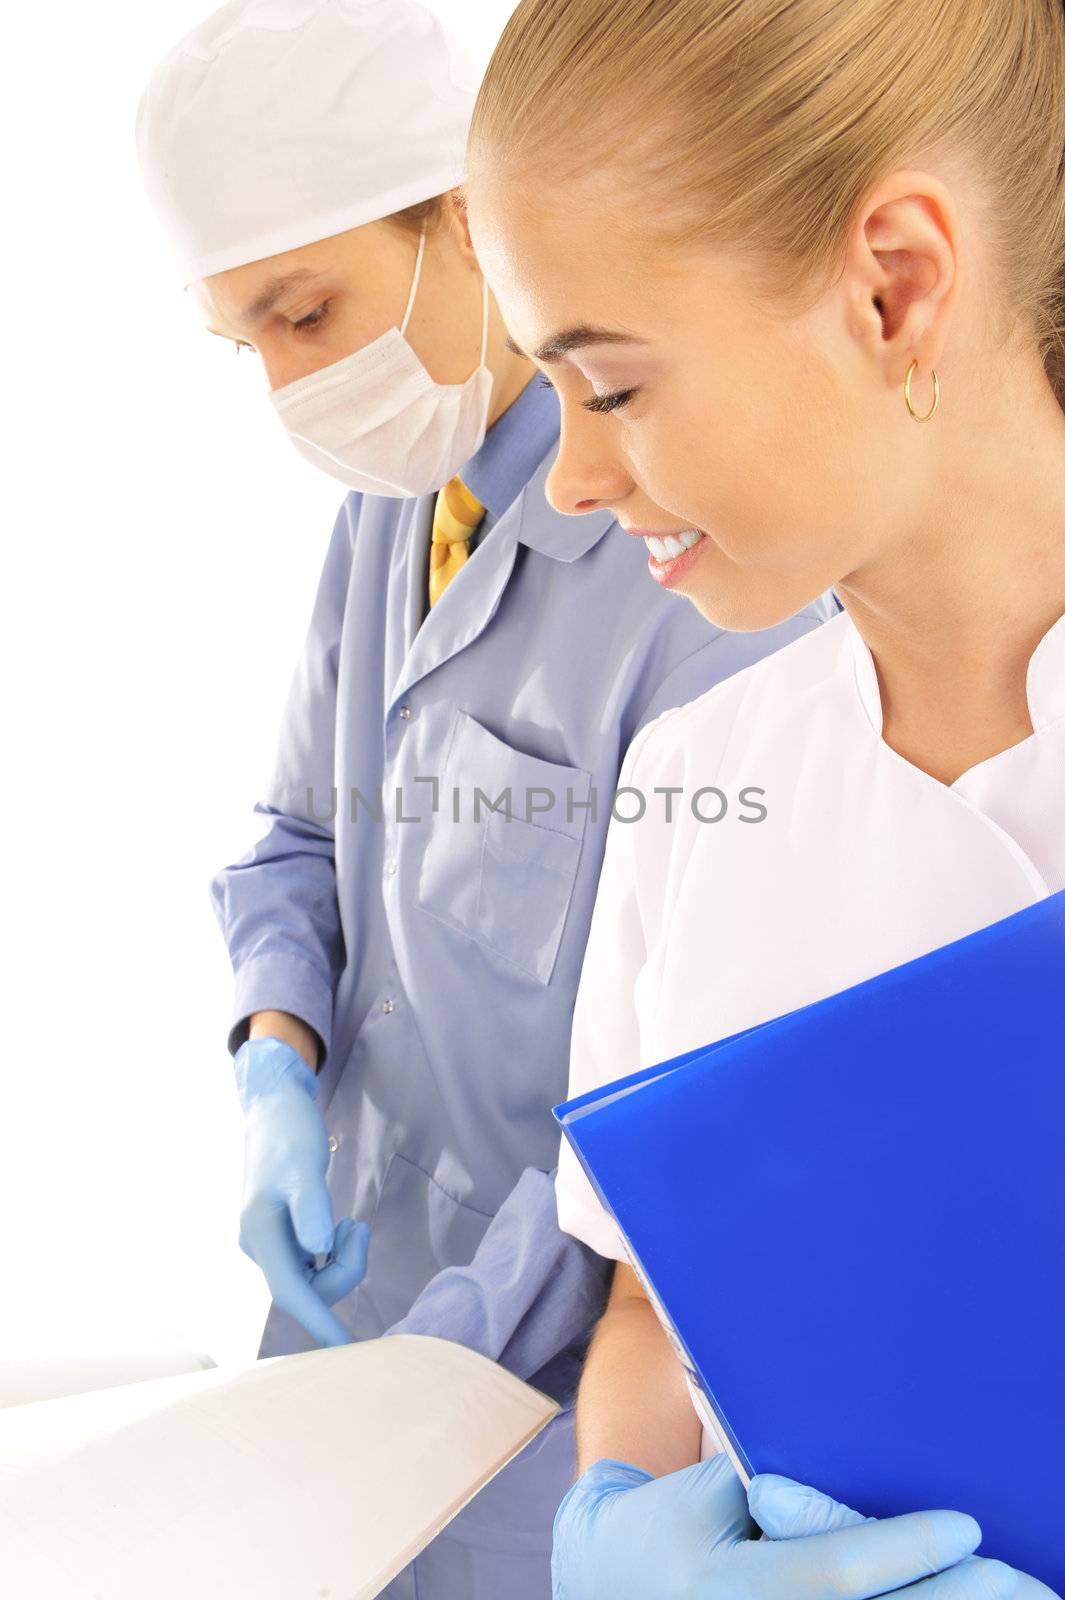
672,466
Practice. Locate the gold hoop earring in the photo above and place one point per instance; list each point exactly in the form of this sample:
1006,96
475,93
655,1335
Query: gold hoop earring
935,394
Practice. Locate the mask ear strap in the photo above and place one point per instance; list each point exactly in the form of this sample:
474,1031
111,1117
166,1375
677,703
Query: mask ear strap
414,284
484,319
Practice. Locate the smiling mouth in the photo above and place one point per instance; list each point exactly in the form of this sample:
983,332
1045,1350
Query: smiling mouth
666,546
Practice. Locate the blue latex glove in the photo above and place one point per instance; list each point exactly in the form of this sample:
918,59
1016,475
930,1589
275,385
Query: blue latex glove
784,1509
286,1215
622,1533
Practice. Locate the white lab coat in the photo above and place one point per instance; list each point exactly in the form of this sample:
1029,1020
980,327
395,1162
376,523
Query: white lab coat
862,861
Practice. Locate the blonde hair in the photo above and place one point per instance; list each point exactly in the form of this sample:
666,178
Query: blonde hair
761,124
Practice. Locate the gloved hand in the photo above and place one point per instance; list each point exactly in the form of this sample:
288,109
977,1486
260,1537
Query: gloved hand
286,1215
622,1533
784,1509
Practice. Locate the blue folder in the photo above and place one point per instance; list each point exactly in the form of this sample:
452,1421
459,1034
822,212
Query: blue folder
854,1218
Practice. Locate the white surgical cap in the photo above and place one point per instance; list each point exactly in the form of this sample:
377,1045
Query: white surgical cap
279,122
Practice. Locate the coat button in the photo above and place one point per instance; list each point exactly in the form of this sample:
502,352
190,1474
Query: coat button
390,865
334,1144
404,712
388,1006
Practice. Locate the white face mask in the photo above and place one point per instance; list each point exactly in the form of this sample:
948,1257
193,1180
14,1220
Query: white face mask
379,422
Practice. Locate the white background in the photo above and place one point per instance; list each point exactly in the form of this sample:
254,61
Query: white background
161,546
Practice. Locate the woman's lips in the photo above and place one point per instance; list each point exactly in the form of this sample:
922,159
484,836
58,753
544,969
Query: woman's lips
671,553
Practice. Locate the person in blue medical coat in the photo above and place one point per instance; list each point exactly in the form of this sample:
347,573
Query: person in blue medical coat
407,934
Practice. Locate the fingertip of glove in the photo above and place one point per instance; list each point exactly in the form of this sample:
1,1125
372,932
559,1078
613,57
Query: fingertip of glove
771,1495
316,1241
973,1531
957,1535
1000,1581
786,1509
352,1239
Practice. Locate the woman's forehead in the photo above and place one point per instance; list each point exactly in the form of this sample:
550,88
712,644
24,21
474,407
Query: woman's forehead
557,263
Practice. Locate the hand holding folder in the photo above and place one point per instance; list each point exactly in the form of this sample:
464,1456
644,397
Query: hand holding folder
853,1218
690,1536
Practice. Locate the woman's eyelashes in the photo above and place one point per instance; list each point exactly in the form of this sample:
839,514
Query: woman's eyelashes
602,402
610,402
313,319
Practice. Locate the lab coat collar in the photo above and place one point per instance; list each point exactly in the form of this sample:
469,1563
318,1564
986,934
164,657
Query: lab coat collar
865,679
1045,679
514,461
513,448
548,531
467,605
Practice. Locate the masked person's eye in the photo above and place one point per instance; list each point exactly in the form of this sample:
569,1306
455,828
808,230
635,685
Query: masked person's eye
313,319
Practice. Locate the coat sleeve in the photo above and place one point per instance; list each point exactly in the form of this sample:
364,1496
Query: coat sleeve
530,1297
277,905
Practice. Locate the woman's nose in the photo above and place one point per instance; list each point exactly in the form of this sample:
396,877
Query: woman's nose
587,473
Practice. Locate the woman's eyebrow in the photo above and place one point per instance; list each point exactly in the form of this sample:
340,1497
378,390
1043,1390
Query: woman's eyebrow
575,338
273,290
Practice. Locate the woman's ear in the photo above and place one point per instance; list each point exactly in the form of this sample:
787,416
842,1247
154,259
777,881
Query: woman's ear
902,260
460,222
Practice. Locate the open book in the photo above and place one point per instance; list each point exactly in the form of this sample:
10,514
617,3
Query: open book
47,1377
296,1477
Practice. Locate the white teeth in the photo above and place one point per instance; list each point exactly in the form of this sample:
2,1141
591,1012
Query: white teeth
671,545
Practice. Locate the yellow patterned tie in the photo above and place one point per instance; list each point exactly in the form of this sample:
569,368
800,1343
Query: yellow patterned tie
457,515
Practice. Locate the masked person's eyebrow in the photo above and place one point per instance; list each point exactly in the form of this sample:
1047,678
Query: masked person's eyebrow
560,344
272,291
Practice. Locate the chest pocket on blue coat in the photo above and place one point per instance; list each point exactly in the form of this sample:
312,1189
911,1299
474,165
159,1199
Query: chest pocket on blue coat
500,865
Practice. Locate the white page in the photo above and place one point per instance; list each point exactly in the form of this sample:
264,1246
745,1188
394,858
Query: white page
48,1377
314,1476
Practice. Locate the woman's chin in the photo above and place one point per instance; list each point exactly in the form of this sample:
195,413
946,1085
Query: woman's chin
749,605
